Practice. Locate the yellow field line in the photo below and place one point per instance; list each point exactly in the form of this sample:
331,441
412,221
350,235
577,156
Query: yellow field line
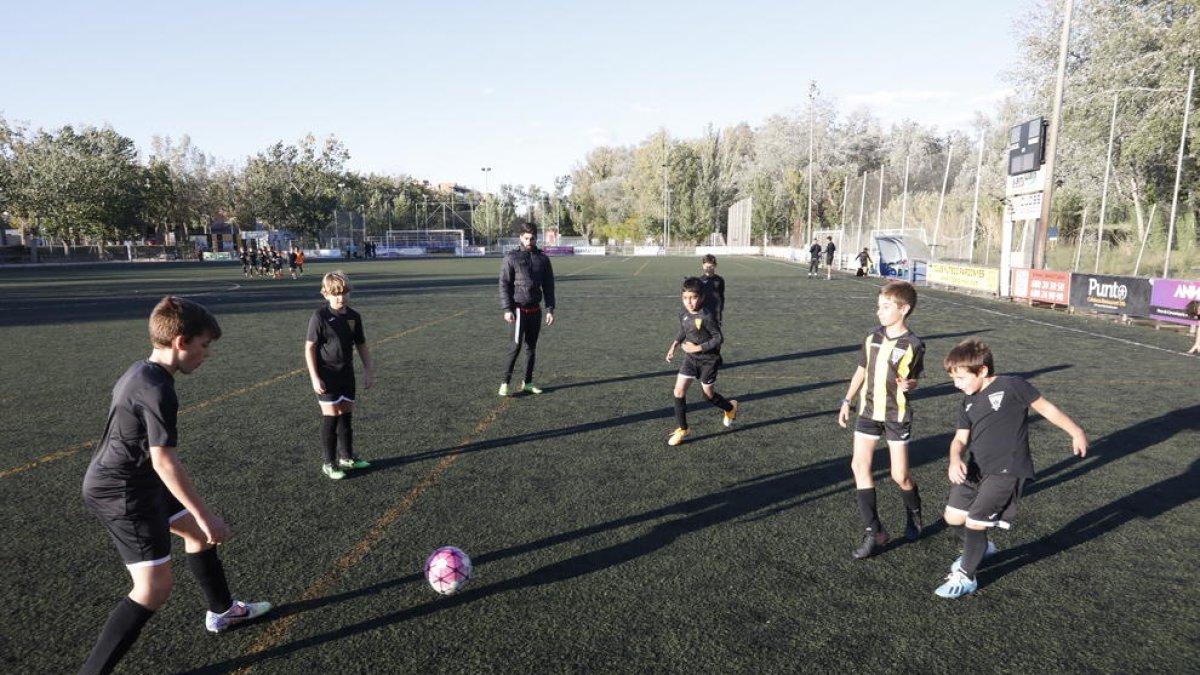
278,630
586,268
218,399
641,268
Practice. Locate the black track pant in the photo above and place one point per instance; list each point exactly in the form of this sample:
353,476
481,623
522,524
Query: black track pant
526,329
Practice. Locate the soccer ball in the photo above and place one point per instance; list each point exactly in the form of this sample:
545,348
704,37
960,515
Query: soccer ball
447,570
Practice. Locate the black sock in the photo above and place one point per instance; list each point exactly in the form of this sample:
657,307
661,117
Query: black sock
960,532
721,402
329,437
345,434
912,501
118,635
974,546
681,412
210,574
867,509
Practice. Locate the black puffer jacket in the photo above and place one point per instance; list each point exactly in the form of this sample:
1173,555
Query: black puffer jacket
526,278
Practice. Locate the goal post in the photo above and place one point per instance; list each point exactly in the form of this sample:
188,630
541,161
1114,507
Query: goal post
395,243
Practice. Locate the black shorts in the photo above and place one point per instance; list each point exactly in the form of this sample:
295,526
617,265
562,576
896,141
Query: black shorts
990,501
143,538
891,432
339,388
704,370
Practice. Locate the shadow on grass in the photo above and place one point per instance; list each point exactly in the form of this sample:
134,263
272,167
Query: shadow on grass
778,491
1148,502
744,501
607,425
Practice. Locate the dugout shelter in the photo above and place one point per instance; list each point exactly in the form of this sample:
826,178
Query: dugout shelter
902,257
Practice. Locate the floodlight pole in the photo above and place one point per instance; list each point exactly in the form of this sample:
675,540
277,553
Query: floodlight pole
1187,109
937,223
1112,128
812,96
975,205
862,203
1038,259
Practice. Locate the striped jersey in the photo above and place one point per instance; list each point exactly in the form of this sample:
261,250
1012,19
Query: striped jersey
886,359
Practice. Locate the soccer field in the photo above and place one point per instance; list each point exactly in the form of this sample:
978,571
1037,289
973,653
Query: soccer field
597,547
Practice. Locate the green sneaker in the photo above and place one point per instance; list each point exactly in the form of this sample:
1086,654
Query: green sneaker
504,389
336,474
528,388
353,464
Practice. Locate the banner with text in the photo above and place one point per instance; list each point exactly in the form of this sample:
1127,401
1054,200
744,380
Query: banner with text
1041,285
964,276
1170,297
1112,294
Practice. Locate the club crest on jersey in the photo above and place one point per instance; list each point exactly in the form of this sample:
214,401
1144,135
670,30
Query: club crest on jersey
698,322
897,354
995,399
352,323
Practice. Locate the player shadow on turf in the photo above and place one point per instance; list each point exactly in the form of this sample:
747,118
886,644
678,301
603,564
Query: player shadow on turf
597,425
1144,504
781,490
1148,502
947,386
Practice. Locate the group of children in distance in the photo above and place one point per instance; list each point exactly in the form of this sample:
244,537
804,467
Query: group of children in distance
137,487
269,262
989,461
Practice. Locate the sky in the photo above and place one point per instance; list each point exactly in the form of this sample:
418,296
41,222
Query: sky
438,91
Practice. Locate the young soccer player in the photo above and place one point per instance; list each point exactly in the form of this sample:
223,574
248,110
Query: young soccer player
830,249
137,487
814,258
864,263
891,360
334,331
700,338
993,433
713,288
300,261
1193,311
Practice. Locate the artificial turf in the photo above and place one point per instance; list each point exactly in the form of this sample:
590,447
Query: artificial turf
597,548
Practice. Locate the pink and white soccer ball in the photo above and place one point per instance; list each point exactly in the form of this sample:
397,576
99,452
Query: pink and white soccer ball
447,570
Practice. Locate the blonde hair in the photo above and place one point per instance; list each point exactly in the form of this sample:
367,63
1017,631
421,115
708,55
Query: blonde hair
335,283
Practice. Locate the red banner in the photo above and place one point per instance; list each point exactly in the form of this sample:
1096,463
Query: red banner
1041,286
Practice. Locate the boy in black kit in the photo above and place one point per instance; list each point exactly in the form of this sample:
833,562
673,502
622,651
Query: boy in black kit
700,337
830,249
994,427
814,258
334,331
137,487
889,364
713,287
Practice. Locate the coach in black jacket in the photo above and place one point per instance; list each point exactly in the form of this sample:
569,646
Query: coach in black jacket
525,278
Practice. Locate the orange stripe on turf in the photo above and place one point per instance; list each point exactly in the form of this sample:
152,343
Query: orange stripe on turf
218,399
277,631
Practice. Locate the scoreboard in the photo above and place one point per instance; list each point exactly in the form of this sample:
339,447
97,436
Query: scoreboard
1027,146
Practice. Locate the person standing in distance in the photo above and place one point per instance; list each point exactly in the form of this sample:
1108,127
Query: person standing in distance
814,258
830,249
526,278
713,288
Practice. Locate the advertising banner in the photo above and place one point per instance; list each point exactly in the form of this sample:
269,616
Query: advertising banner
559,250
964,276
1041,286
1111,294
1170,296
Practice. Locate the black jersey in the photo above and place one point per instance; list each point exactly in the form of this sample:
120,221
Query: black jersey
997,418
713,288
830,249
120,479
703,329
886,359
335,336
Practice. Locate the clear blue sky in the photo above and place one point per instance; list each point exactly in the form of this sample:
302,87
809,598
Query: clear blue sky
527,87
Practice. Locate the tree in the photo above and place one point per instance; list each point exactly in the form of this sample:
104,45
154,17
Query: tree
84,184
296,186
